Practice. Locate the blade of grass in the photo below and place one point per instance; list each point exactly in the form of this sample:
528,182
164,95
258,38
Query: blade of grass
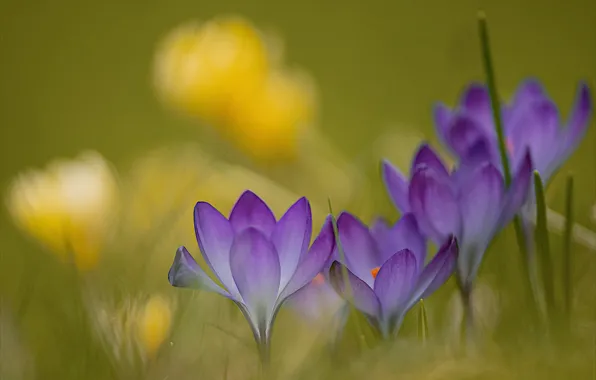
422,322
498,122
543,246
567,239
494,96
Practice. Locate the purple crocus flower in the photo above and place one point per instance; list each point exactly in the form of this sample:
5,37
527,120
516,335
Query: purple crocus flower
470,203
531,121
259,261
384,280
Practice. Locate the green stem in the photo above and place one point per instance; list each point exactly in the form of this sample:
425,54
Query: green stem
494,96
498,122
567,238
543,246
422,322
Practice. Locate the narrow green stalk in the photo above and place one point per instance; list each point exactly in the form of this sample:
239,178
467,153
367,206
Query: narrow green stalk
543,246
467,326
494,96
567,239
422,322
498,122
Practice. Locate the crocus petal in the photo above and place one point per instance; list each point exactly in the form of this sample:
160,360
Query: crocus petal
518,191
186,273
252,211
529,91
359,293
316,300
539,131
395,281
313,262
404,234
396,185
442,116
256,270
580,117
465,133
426,156
215,236
436,272
480,205
358,246
476,102
434,205
291,238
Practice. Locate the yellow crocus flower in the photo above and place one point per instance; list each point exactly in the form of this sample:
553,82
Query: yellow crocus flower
271,123
201,69
231,76
67,206
154,324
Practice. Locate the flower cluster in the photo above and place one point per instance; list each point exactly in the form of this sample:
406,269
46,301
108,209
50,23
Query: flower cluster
382,270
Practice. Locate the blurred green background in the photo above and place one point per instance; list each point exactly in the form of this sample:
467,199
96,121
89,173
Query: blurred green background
77,75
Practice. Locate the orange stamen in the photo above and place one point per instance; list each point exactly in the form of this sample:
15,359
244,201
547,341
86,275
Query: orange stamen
319,279
375,272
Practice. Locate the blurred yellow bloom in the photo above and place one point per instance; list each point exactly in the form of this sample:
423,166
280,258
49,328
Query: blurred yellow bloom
154,324
67,206
229,75
202,69
271,123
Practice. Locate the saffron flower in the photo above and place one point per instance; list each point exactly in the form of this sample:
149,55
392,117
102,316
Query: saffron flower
259,261
471,203
386,276
531,121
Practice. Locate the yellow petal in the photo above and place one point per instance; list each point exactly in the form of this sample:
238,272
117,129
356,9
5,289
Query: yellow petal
271,123
202,69
154,324
67,206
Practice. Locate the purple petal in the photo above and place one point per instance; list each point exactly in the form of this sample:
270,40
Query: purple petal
426,156
395,281
186,273
518,191
314,261
256,270
358,246
434,205
215,236
465,133
476,102
291,237
580,118
315,300
404,234
359,293
442,116
436,272
528,91
480,204
396,185
252,211
539,131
